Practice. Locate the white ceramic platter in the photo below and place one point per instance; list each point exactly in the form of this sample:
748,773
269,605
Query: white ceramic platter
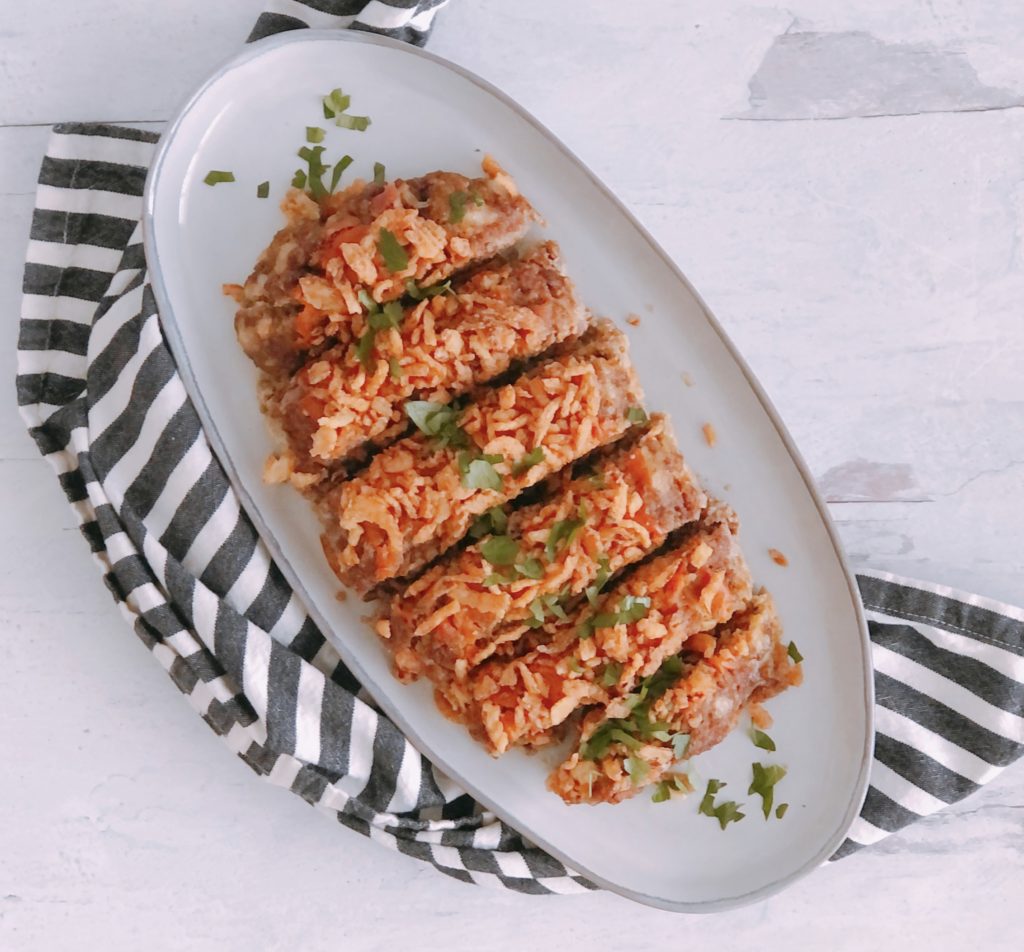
250,118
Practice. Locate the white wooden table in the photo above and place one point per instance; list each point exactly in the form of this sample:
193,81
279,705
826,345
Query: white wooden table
872,271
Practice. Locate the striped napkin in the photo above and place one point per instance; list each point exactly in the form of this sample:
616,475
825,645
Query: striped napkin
101,396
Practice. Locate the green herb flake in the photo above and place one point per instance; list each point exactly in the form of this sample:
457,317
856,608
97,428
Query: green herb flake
339,169
216,176
357,123
637,415
726,813
379,173
780,810
394,368
528,460
364,350
500,550
536,619
479,472
457,207
794,653
496,578
662,792
335,102
762,740
299,179
263,190
611,674
530,568
680,743
637,769
438,420
495,520
314,134
562,533
766,776
574,666
313,157
394,255
600,579
413,290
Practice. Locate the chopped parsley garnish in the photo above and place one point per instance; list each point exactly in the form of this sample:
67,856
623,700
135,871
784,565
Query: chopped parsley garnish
637,769
495,521
479,472
457,205
632,608
314,134
762,740
336,104
263,190
544,605
394,368
634,730
610,675
528,460
377,319
531,568
313,157
673,783
379,173
358,123
339,168
299,179
216,176
680,743
422,294
636,415
794,653
438,420
726,812
780,810
394,255
500,550
564,531
765,778
592,591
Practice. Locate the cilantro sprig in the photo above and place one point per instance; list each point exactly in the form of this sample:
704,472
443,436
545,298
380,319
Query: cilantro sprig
564,531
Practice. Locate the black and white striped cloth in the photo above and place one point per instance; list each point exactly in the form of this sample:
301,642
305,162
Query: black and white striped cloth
100,394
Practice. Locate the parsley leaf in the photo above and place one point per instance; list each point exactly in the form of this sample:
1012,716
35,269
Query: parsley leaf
495,521
216,176
531,568
500,550
563,532
479,472
726,813
780,810
314,134
610,675
680,742
299,179
263,190
339,167
637,769
535,456
794,653
762,740
394,368
766,776
358,123
439,420
394,255
636,415
422,294
457,207
379,173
